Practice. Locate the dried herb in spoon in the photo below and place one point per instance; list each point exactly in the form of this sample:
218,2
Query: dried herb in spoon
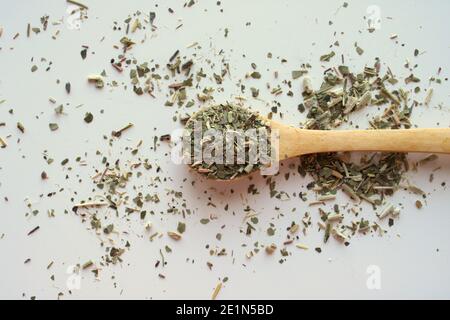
233,123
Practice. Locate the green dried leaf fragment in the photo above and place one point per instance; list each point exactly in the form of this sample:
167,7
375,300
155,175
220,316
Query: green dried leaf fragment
255,75
108,229
53,126
20,127
59,109
127,42
298,73
181,228
411,79
328,56
255,92
88,117
359,50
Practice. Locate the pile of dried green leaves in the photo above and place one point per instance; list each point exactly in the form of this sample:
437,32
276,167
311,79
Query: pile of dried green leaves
375,175
341,94
233,123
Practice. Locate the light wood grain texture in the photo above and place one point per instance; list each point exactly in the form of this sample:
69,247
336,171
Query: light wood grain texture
295,142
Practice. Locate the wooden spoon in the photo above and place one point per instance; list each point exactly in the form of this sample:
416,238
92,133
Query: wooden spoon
294,142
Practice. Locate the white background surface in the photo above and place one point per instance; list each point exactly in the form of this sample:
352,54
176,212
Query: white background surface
413,257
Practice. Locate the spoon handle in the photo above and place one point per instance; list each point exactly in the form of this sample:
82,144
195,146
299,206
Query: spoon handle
399,140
